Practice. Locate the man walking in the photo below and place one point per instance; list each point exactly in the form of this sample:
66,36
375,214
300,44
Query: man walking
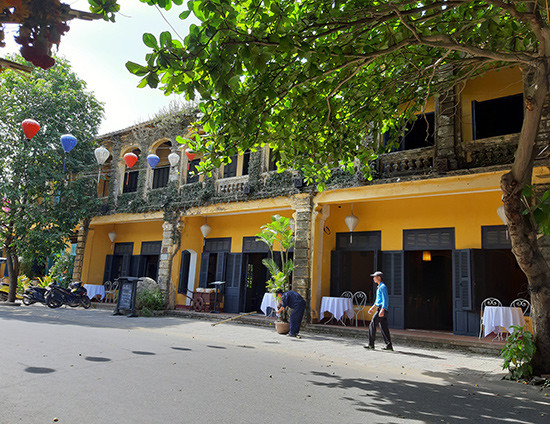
295,302
380,317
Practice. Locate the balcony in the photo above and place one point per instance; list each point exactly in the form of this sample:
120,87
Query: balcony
408,162
231,185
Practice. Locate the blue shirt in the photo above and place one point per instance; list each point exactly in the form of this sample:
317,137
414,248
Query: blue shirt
291,299
382,298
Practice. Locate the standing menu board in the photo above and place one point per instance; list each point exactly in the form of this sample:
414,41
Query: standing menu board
127,288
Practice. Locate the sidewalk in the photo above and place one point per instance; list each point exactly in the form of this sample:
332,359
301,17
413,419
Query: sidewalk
409,337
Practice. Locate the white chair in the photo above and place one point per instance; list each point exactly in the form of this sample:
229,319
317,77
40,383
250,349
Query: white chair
490,301
523,304
111,289
347,294
359,304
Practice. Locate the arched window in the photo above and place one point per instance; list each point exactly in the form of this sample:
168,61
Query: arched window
131,175
161,172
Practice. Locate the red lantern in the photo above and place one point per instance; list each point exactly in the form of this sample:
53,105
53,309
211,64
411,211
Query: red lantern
130,159
190,154
30,128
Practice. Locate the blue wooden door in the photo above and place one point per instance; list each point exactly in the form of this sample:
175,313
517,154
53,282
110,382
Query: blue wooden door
392,267
465,319
233,274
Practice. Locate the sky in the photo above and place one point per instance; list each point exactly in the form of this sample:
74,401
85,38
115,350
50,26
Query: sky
98,51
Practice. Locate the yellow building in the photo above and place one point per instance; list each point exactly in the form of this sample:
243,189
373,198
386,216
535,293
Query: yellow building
428,219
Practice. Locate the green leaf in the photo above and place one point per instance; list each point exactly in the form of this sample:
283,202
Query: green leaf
150,41
165,39
136,69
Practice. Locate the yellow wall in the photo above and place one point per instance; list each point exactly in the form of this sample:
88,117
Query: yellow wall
98,245
492,85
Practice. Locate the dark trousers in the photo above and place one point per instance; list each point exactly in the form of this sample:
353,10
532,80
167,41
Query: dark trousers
383,322
296,318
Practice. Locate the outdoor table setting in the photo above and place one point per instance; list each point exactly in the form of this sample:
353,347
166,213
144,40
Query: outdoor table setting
495,317
94,290
337,306
269,301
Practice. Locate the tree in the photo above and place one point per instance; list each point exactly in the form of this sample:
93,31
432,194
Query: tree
315,78
41,203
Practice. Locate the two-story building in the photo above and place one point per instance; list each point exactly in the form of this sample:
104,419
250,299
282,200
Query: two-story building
428,219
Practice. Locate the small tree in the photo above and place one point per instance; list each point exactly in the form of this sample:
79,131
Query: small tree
278,234
41,202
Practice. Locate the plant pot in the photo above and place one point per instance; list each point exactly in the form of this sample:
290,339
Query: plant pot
282,327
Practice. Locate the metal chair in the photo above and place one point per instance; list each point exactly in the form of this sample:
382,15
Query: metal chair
347,294
490,301
111,289
359,304
523,304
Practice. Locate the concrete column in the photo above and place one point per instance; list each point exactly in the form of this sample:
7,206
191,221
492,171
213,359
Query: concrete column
447,129
80,246
301,279
167,252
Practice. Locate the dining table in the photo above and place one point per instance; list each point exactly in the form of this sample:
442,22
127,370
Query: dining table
337,306
497,317
94,290
269,301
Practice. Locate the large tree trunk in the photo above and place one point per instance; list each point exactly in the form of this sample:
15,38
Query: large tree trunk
13,266
523,233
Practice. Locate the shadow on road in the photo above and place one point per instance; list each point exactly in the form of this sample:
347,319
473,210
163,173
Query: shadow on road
430,402
97,318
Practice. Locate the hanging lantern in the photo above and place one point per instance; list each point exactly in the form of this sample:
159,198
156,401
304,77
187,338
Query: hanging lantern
190,154
30,128
68,141
351,222
502,215
173,158
112,236
205,230
153,160
130,159
426,256
101,155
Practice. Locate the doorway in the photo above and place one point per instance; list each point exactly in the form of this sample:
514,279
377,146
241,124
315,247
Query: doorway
256,275
428,290
497,274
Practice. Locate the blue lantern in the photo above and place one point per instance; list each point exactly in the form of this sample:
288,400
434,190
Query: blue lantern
68,141
153,160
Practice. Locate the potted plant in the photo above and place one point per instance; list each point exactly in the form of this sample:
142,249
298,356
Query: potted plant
279,237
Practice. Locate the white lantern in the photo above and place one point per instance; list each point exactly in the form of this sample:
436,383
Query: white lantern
101,155
112,236
502,215
205,230
351,221
173,158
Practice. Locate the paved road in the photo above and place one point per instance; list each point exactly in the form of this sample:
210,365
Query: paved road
87,366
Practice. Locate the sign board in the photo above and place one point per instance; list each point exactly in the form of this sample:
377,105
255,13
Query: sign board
127,288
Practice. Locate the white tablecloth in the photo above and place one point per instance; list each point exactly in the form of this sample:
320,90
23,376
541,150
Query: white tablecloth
95,289
495,317
268,301
337,306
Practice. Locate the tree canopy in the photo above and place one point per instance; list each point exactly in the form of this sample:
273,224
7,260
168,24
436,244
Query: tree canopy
42,203
320,80
315,79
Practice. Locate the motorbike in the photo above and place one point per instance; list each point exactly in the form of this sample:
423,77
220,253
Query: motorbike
73,296
34,294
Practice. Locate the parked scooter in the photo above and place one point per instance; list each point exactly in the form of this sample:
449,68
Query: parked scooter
75,295
34,294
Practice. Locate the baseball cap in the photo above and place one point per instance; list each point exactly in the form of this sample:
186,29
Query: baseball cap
377,274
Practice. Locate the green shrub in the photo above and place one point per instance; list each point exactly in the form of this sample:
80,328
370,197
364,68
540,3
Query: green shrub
150,299
518,352
62,269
